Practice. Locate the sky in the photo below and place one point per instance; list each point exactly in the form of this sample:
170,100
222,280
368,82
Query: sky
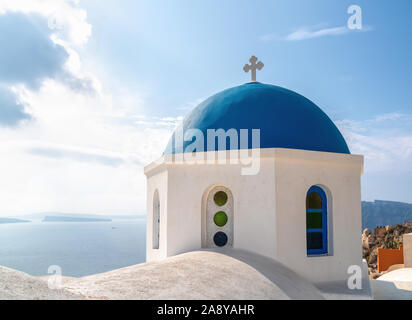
91,91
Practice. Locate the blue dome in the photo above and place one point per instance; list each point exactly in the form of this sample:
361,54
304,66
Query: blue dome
285,119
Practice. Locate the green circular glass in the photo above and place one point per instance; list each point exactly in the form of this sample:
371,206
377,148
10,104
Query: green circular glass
220,198
220,218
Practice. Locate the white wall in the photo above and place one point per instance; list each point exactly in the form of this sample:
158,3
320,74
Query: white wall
269,208
407,250
191,184
339,176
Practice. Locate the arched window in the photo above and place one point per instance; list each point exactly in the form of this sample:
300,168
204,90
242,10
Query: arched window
156,220
217,225
316,222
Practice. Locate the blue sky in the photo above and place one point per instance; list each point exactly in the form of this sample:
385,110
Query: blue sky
89,93
166,45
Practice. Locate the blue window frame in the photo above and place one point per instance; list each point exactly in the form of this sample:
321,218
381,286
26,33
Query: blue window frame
316,222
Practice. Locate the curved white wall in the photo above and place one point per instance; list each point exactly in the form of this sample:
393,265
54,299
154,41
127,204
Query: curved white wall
269,208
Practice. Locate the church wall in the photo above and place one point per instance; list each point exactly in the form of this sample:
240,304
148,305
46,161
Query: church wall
255,227
339,176
269,208
184,218
253,196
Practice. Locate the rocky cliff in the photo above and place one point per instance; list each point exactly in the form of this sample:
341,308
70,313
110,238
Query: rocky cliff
389,237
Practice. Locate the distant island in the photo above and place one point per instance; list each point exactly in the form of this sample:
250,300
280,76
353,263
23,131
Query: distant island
42,215
12,220
73,219
383,213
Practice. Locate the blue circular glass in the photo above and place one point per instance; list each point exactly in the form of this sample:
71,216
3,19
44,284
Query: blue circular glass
220,239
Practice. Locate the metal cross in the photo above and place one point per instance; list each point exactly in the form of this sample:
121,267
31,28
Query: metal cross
253,66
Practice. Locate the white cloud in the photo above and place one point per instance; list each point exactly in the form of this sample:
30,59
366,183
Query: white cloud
385,141
81,153
39,40
81,150
65,17
191,105
305,33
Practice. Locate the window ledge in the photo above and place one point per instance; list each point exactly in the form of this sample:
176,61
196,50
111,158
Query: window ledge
319,255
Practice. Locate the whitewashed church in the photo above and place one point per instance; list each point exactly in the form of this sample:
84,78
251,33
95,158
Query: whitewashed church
300,204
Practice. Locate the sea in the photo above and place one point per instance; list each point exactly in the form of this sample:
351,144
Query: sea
75,249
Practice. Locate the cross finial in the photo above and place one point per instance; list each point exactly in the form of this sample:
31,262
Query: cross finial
253,66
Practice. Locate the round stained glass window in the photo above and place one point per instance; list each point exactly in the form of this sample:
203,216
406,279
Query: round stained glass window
220,198
220,218
220,239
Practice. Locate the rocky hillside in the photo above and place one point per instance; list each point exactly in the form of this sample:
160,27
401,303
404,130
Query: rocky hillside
389,237
383,213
